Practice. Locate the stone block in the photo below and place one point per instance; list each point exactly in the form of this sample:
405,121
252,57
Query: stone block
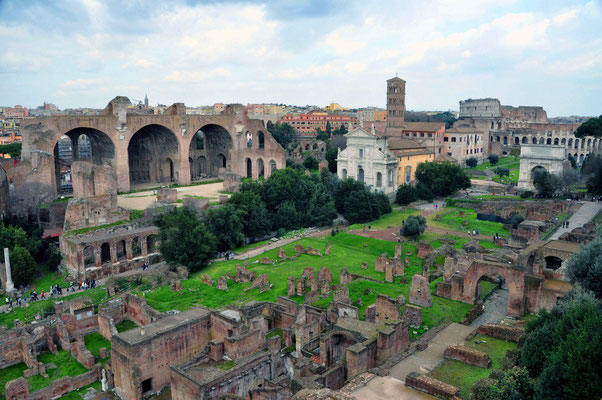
398,267
167,195
398,250
467,355
222,284
389,272
380,263
324,274
341,295
371,313
364,265
301,286
324,287
412,315
432,386
194,204
206,279
290,286
424,249
281,253
265,260
345,277
420,291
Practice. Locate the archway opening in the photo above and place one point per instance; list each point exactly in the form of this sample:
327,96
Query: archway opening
379,179
556,142
261,139
120,250
151,244
344,173
105,253
534,141
516,140
80,144
525,140
249,168
210,146
153,155
360,174
136,247
89,259
487,285
549,141
260,168
273,166
537,170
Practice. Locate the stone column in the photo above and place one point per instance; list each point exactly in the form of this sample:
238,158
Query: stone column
10,286
97,258
128,249
143,246
113,249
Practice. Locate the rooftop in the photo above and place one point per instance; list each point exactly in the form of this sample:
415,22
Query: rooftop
134,336
423,126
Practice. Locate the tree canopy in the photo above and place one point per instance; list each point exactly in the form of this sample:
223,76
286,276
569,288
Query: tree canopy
442,179
282,132
591,127
12,149
413,226
585,267
185,239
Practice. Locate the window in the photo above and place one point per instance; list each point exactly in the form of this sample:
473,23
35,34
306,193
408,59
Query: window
408,174
379,179
421,134
453,139
430,135
446,139
449,154
361,153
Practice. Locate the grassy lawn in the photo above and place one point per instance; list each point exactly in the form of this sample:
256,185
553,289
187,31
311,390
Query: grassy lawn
251,246
393,219
8,374
50,278
348,251
512,178
46,307
66,365
486,288
79,393
464,376
125,325
94,342
504,162
450,219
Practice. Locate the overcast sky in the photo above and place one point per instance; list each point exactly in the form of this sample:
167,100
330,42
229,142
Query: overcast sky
83,53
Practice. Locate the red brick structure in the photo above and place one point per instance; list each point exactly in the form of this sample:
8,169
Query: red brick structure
170,147
503,332
103,253
467,355
432,386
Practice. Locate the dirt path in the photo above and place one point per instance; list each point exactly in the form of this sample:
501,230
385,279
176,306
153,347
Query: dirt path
143,200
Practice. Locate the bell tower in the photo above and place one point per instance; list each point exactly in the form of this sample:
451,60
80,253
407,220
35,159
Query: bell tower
396,106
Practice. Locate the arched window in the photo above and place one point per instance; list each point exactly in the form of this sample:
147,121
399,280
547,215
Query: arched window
105,253
549,141
570,143
534,140
505,140
360,174
542,140
556,142
516,140
563,141
379,179
261,139
344,173
408,174
249,168
249,139
576,143
390,177
273,166
525,140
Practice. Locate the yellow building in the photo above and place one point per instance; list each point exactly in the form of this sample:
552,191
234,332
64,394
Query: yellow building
335,107
409,154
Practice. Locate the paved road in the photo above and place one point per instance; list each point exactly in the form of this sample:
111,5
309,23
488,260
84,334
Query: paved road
496,307
585,214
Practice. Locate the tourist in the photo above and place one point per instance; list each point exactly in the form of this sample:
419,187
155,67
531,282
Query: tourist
8,301
364,228
369,227
43,296
19,301
567,224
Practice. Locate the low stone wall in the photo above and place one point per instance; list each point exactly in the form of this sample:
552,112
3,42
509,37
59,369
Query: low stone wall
432,386
502,332
467,356
19,388
473,313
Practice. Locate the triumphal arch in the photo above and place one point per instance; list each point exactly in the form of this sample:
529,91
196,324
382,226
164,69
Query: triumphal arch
172,147
538,156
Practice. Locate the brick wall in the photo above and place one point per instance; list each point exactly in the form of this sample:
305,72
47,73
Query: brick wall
502,332
467,356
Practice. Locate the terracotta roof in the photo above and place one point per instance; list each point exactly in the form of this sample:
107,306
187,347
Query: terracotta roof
316,359
423,126
405,153
463,130
445,158
399,143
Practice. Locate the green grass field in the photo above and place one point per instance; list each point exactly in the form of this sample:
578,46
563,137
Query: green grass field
10,373
450,219
504,162
46,307
94,342
125,325
464,376
66,365
348,251
393,219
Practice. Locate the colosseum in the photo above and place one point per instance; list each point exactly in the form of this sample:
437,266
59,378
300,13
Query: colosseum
507,127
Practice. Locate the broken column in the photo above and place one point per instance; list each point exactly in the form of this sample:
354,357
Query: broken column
345,278
10,286
420,291
290,286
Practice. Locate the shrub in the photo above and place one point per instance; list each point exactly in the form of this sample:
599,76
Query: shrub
23,266
493,159
413,226
502,171
442,179
360,206
526,194
406,194
472,162
515,220
383,203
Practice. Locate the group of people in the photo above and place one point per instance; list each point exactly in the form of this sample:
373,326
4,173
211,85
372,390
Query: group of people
475,232
55,290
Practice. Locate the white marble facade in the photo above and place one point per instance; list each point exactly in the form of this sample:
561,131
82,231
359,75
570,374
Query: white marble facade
367,158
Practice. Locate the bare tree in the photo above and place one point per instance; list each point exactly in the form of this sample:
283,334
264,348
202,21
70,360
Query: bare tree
28,199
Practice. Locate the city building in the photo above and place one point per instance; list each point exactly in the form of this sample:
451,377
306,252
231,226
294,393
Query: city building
409,154
367,159
15,112
219,108
462,143
305,125
428,134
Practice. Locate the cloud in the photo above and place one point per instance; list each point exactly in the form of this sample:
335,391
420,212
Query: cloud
85,52
196,76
